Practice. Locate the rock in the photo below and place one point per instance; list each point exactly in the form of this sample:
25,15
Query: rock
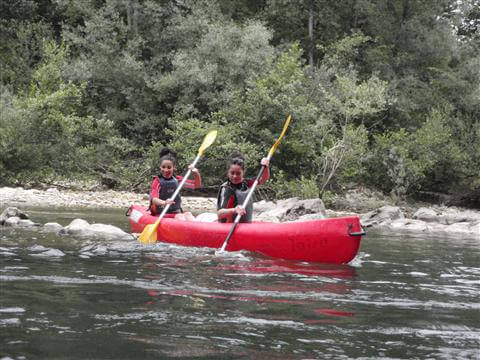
426,214
51,253
27,223
262,206
37,248
382,215
52,227
446,216
288,209
460,228
82,228
12,212
76,227
408,226
109,231
475,229
310,217
306,207
430,228
454,215
275,213
12,221
267,217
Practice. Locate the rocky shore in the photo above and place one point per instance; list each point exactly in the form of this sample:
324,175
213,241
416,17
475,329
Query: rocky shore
53,197
423,220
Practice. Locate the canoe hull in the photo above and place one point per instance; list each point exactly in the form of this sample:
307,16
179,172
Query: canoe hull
326,240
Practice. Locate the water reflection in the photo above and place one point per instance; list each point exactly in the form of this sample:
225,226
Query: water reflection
265,266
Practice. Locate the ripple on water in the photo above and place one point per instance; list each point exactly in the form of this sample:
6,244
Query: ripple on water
12,310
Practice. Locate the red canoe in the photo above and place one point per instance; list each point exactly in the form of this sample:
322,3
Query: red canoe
333,240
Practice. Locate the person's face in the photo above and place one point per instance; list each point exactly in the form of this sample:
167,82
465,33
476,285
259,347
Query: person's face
235,174
167,168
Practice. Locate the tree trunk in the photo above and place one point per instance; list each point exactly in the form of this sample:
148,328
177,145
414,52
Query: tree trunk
310,36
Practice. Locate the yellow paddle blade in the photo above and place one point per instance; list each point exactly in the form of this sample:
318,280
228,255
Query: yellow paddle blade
149,234
285,126
207,141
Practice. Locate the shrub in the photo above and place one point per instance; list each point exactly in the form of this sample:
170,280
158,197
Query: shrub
303,187
403,162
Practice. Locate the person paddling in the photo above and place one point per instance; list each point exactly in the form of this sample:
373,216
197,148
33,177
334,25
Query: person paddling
234,191
165,184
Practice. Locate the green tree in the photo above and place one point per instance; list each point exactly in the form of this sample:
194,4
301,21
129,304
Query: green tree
327,107
42,132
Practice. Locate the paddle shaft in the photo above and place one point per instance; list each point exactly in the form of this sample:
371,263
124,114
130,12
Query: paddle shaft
165,209
247,199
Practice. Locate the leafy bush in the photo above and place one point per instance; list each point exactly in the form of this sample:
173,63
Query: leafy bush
303,187
405,162
43,134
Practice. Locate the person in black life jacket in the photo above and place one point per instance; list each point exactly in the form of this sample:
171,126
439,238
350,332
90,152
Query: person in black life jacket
233,192
165,184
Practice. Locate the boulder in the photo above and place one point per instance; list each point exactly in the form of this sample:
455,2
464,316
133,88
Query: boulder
446,216
109,231
426,214
12,221
311,217
306,207
454,215
77,227
50,253
262,206
288,209
385,214
52,227
10,212
25,223
82,228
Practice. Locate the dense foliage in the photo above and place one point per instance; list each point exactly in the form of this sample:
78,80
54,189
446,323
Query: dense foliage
384,94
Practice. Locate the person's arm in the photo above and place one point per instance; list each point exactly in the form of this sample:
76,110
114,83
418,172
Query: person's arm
230,213
154,196
266,173
225,209
162,203
197,179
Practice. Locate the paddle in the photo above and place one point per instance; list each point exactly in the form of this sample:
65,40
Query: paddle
252,189
149,233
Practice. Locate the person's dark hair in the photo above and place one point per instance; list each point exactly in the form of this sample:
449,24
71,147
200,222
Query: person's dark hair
168,154
236,159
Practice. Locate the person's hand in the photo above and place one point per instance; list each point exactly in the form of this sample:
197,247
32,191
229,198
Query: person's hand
265,162
240,210
168,201
194,169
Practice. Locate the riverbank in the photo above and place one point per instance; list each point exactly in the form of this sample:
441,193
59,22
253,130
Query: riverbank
53,197
357,201
376,211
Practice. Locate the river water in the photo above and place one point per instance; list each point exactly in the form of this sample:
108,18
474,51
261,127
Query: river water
67,298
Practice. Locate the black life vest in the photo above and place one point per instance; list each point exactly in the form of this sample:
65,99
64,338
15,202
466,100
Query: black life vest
230,195
167,188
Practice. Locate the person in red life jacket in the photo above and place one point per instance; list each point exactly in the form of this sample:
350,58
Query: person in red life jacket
165,184
233,192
